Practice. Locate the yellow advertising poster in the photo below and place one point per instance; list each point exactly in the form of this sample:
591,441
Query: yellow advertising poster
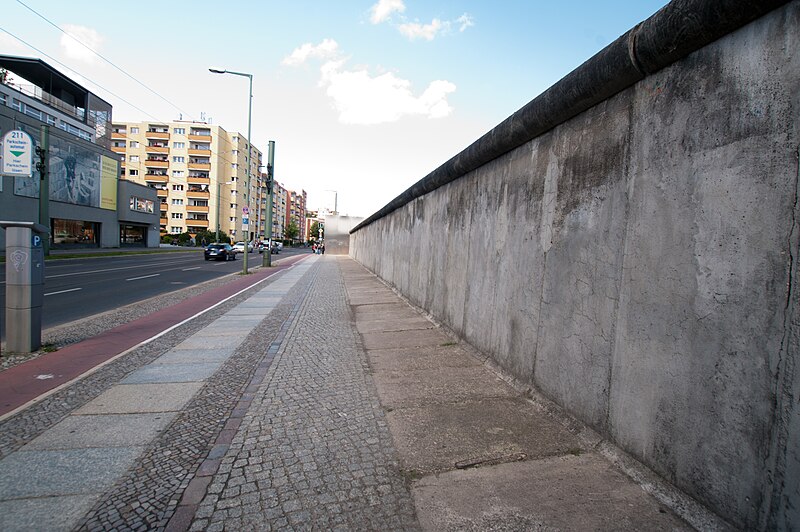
108,187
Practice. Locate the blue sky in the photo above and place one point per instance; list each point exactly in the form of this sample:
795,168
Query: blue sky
361,97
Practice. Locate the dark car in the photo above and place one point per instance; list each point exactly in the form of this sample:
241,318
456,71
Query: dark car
219,252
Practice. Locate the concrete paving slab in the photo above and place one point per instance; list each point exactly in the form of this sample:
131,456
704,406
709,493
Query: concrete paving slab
366,310
63,472
114,430
141,398
565,493
192,356
192,372
400,312
420,358
49,514
403,324
440,437
220,341
398,339
400,389
373,298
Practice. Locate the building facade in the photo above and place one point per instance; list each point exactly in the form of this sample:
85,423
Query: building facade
296,212
199,171
88,206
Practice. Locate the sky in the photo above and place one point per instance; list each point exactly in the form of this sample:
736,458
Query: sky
362,98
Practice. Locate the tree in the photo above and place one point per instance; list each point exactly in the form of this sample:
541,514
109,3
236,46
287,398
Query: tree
313,231
292,231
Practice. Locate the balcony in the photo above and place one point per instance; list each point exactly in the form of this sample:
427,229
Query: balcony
200,136
201,153
163,135
156,149
198,194
196,223
197,208
119,135
118,149
199,166
164,207
162,222
195,180
156,178
162,193
156,163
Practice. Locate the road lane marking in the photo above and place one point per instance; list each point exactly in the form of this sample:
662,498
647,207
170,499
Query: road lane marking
63,291
187,269
143,277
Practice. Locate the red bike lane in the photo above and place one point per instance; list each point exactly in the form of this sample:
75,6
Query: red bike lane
28,381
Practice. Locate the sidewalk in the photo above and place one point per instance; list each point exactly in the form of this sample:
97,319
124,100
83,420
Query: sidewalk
319,401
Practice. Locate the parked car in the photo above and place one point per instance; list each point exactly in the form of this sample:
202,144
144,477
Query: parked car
219,251
239,247
263,245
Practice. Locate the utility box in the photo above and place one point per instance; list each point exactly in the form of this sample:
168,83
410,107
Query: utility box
24,285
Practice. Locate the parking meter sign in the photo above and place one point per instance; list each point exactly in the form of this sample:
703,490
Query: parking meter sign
36,241
17,153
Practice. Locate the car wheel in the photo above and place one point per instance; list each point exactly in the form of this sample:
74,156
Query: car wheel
206,258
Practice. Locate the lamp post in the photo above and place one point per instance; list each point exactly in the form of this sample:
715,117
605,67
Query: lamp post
249,154
267,261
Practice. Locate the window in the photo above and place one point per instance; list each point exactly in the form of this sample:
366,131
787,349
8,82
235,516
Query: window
133,144
177,187
177,202
134,130
179,145
233,218
179,131
133,172
233,205
177,215
178,159
175,230
234,166
177,173
134,158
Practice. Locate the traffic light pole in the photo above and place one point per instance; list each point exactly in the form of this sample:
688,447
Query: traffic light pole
267,258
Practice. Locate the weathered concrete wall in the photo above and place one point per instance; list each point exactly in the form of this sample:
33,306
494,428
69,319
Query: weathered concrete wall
638,264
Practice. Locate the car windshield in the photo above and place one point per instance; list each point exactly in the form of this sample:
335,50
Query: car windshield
216,246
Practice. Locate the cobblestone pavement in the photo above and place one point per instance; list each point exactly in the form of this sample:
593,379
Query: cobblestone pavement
314,450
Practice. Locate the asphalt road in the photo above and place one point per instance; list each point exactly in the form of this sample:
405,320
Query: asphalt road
77,288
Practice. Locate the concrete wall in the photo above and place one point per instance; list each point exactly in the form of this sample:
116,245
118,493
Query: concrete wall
637,263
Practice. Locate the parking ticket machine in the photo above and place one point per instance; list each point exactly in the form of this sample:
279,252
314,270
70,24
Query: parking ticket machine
24,285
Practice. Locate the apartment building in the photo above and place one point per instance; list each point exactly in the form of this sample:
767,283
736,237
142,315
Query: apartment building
200,173
296,212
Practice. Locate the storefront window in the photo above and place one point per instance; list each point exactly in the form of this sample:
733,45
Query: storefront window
132,235
74,233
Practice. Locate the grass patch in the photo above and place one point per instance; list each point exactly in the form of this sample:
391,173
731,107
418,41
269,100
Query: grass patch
448,344
575,451
49,348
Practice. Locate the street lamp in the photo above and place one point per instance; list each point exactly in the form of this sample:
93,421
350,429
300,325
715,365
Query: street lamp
249,152
267,261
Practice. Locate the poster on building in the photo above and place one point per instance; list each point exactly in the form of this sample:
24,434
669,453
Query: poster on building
108,188
142,205
75,175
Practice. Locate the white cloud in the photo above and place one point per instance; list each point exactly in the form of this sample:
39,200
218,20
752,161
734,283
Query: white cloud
326,49
384,9
364,99
465,21
414,30
74,49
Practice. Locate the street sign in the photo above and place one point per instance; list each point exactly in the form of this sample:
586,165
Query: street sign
17,153
245,222
245,210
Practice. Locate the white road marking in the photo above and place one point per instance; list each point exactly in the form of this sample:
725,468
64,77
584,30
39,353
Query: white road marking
187,269
63,291
143,277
